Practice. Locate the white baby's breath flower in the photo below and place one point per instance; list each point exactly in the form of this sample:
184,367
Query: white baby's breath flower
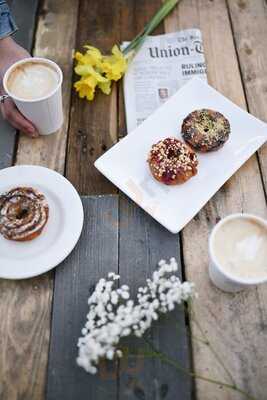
113,315
119,353
125,295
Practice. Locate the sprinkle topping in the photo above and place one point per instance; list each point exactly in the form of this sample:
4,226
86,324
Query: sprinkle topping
169,157
205,129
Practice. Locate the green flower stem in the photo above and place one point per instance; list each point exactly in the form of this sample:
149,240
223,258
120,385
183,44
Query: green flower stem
198,339
191,336
164,10
233,387
214,352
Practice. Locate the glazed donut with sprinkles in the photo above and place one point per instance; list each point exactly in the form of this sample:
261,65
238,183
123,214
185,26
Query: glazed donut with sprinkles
172,162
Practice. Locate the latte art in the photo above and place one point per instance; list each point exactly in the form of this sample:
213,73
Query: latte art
32,80
240,247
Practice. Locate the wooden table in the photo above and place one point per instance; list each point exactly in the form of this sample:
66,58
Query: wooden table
234,34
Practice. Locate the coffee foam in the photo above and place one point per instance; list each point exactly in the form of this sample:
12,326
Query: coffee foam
32,80
240,247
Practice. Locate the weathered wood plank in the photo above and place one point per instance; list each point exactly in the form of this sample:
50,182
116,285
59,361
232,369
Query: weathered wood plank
95,255
235,323
24,337
249,23
25,307
7,143
134,16
25,19
25,15
93,126
143,242
15,340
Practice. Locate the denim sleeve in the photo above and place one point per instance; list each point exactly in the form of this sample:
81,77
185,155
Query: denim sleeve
7,24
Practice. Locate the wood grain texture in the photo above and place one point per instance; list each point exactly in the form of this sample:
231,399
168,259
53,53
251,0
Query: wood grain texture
235,323
134,16
93,126
93,258
7,143
25,308
24,14
249,24
25,317
143,242
126,240
25,18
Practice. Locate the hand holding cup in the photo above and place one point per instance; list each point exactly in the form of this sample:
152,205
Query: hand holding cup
11,52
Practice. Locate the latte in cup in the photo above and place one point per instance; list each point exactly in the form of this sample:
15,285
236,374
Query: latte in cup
35,86
240,248
32,80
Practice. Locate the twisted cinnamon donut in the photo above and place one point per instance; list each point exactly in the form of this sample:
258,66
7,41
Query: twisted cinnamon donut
23,214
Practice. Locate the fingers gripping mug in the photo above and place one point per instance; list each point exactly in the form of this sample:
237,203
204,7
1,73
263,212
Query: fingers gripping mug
35,86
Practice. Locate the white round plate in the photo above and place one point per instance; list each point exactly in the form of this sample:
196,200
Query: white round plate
19,260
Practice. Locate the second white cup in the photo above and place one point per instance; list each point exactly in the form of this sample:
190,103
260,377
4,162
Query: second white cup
46,113
218,275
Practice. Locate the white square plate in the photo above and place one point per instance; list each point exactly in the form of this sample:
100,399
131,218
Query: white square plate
174,206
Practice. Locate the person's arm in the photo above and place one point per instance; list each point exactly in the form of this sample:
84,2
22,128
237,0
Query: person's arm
11,52
7,23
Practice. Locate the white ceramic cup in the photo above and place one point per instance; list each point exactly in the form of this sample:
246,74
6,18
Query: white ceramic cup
221,278
46,113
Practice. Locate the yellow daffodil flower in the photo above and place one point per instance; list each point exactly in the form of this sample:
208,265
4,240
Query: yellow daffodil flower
94,53
88,70
86,87
97,70
105,87
115,65
92,56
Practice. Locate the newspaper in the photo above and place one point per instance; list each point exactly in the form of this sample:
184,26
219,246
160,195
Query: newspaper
160,68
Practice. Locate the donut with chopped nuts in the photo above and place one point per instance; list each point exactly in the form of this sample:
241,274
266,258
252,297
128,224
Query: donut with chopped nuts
23,214
205,130
172,162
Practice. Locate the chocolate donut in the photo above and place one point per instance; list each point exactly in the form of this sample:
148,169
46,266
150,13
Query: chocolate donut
23,214
205,130
172,162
